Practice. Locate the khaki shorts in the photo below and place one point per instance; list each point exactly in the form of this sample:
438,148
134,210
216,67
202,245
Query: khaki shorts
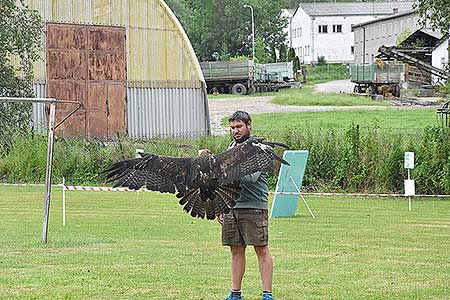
244,226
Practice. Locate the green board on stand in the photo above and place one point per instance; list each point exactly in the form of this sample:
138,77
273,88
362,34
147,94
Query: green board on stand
289,185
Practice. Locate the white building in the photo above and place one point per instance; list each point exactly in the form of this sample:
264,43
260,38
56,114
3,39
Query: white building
288,14
325,29
439,56
370,36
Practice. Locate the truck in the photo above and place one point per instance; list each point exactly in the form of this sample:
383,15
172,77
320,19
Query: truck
246,77
377,78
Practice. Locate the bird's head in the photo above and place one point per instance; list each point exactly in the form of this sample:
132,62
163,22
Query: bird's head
204,152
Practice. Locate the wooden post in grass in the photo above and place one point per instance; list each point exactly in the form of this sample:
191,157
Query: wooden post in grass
64,200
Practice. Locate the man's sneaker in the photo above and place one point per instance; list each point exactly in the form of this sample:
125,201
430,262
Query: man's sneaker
267,297
231,297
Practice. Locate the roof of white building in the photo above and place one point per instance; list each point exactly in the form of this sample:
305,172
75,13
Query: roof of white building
355,8
378,20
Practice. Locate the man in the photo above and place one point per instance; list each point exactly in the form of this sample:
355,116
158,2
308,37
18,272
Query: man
247,222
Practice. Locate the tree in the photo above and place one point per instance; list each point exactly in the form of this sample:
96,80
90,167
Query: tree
436,14
262,55
224,26
21,32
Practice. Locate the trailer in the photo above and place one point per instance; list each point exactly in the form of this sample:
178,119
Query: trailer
378,78
246,77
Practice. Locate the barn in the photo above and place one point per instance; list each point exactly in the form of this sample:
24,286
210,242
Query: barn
130,64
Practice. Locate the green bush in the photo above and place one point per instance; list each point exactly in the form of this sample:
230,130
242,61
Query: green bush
321,60
354,160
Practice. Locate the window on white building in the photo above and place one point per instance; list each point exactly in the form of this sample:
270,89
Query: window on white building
351,27
378,31
323,28
300,31
395,28
383,30
390,29
352,50
337,28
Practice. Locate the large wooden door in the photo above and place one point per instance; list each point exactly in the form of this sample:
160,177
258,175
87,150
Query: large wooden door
88,63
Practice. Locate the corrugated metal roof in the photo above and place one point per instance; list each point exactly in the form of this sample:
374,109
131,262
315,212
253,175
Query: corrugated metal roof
158,49
354,8
408,12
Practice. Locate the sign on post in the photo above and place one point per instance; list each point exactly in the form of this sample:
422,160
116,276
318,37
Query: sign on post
410,187
409,160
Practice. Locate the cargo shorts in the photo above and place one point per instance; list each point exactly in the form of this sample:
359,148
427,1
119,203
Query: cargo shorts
245,226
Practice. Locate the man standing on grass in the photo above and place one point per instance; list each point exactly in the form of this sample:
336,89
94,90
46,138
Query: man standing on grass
247,222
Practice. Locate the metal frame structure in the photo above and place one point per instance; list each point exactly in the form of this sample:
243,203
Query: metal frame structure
51,130
444,114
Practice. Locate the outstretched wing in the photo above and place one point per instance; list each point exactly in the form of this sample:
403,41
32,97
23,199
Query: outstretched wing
157,173
244,159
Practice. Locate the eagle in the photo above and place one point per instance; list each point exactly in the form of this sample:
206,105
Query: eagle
207,185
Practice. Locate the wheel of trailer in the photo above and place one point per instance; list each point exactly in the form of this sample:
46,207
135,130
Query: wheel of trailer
356,89
396,91
252,89
370,90
239,89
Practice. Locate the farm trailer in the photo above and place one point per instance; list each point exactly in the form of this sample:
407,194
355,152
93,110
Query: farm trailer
246,77
377,78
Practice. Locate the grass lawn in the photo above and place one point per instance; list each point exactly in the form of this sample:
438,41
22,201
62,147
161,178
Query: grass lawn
142,246
306,96
405,120
327,72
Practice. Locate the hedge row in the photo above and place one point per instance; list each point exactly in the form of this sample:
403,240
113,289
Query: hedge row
369,160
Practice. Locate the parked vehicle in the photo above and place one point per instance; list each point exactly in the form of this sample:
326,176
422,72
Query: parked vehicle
377,78
246,77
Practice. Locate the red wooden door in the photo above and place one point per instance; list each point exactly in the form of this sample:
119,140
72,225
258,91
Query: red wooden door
88,63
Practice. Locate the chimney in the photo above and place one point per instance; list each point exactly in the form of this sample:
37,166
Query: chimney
395,10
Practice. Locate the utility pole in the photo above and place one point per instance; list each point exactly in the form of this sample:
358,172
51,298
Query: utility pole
253,31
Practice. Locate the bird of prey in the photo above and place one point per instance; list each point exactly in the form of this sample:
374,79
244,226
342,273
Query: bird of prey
207,185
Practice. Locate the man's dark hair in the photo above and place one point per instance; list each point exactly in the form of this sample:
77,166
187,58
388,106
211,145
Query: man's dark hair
240,116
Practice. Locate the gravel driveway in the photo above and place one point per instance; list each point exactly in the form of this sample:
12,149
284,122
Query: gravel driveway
336,86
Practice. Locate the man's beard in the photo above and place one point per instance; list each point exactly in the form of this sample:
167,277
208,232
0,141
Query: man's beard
242,139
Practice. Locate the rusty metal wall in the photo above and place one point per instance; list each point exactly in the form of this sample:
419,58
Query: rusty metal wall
151,112
157,112
39,117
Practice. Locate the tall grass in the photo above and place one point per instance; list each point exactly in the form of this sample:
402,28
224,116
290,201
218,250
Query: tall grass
355,159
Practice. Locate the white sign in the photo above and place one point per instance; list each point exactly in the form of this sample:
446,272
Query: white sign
410,187
409,160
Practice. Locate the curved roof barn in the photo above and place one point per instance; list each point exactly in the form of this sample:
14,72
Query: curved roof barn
137,44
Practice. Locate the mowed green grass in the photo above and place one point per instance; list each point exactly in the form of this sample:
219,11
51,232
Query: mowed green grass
306,96
401,119
142,246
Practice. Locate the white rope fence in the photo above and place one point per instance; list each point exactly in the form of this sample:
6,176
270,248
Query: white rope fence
111,189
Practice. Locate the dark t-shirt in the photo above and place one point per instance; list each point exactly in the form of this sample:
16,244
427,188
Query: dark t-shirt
254,188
